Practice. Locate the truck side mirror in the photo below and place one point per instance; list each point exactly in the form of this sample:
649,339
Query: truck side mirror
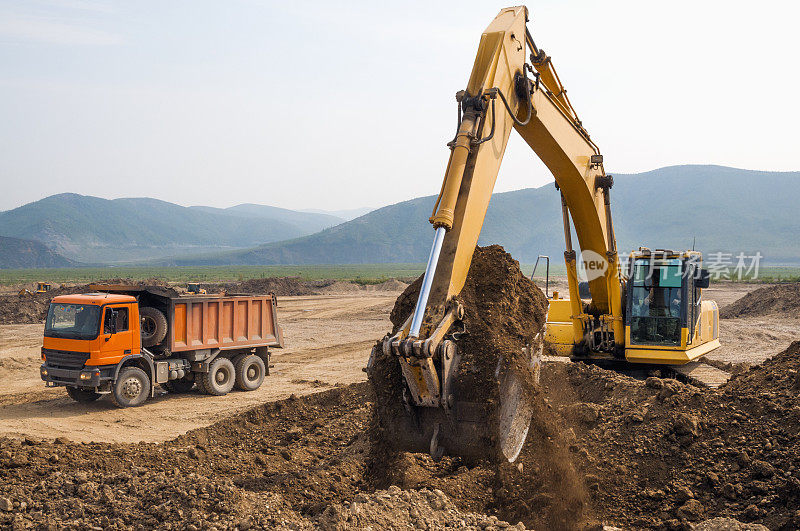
703,279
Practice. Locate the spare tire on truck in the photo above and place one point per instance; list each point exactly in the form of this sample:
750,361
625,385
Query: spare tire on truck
154,326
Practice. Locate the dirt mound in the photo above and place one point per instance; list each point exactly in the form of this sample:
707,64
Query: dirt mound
504,312
286,286
32,308
663,454
778,378
389,285
651,454
293,464
780,298
406,509
340,286
277,285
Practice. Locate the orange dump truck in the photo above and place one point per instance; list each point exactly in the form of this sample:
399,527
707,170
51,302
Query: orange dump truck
124,340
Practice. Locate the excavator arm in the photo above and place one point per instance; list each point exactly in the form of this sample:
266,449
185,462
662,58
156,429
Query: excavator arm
505,93
500,97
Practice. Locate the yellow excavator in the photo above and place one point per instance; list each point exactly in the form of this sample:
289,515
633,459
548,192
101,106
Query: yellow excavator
650,313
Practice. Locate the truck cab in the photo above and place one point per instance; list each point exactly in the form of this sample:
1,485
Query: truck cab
86,337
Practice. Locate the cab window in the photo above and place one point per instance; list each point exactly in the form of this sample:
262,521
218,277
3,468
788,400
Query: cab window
656,302
115,320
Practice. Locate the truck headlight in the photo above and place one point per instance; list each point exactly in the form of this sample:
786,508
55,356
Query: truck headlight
86,376
44,371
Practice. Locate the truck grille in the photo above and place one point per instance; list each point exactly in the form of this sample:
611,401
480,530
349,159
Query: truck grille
64,359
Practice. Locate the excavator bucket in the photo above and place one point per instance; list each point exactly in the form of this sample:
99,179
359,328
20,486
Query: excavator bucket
472,425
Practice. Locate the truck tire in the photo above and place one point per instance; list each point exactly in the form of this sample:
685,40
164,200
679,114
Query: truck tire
250,372
154,326
220,377
131,389
182,385
82,395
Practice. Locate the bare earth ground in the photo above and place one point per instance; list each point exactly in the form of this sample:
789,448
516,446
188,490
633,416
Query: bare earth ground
328,339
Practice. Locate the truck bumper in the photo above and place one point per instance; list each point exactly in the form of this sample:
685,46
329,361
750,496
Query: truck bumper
88,376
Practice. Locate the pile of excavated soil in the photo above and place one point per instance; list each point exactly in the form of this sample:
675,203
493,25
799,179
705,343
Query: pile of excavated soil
297,464
32,308
392,284
289,286
777,299
504,312
662,454
340,286
655,454
285,286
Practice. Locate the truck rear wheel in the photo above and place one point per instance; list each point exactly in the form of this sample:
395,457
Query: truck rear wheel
250,372
82,395
154,326
220,377
131,389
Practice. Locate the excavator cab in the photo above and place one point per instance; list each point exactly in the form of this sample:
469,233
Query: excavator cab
667,320
657,302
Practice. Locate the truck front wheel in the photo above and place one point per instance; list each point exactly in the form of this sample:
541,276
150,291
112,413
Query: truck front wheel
84,396
249,372
220,377
131,388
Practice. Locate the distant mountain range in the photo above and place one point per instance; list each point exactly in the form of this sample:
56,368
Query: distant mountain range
94,230
347,214
721,209
16,253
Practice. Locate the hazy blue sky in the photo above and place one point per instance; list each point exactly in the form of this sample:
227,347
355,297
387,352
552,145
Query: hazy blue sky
341,105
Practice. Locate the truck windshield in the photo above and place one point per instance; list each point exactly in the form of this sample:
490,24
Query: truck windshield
72,321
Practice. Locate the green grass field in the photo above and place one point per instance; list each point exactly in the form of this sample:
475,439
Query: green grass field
361,273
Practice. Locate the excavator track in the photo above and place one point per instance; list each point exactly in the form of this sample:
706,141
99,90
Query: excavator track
701,374
696,373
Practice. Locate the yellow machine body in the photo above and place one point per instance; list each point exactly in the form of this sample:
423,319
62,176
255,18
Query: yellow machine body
514,86
673,332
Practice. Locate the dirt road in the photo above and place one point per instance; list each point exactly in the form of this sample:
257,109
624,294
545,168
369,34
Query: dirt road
328,339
